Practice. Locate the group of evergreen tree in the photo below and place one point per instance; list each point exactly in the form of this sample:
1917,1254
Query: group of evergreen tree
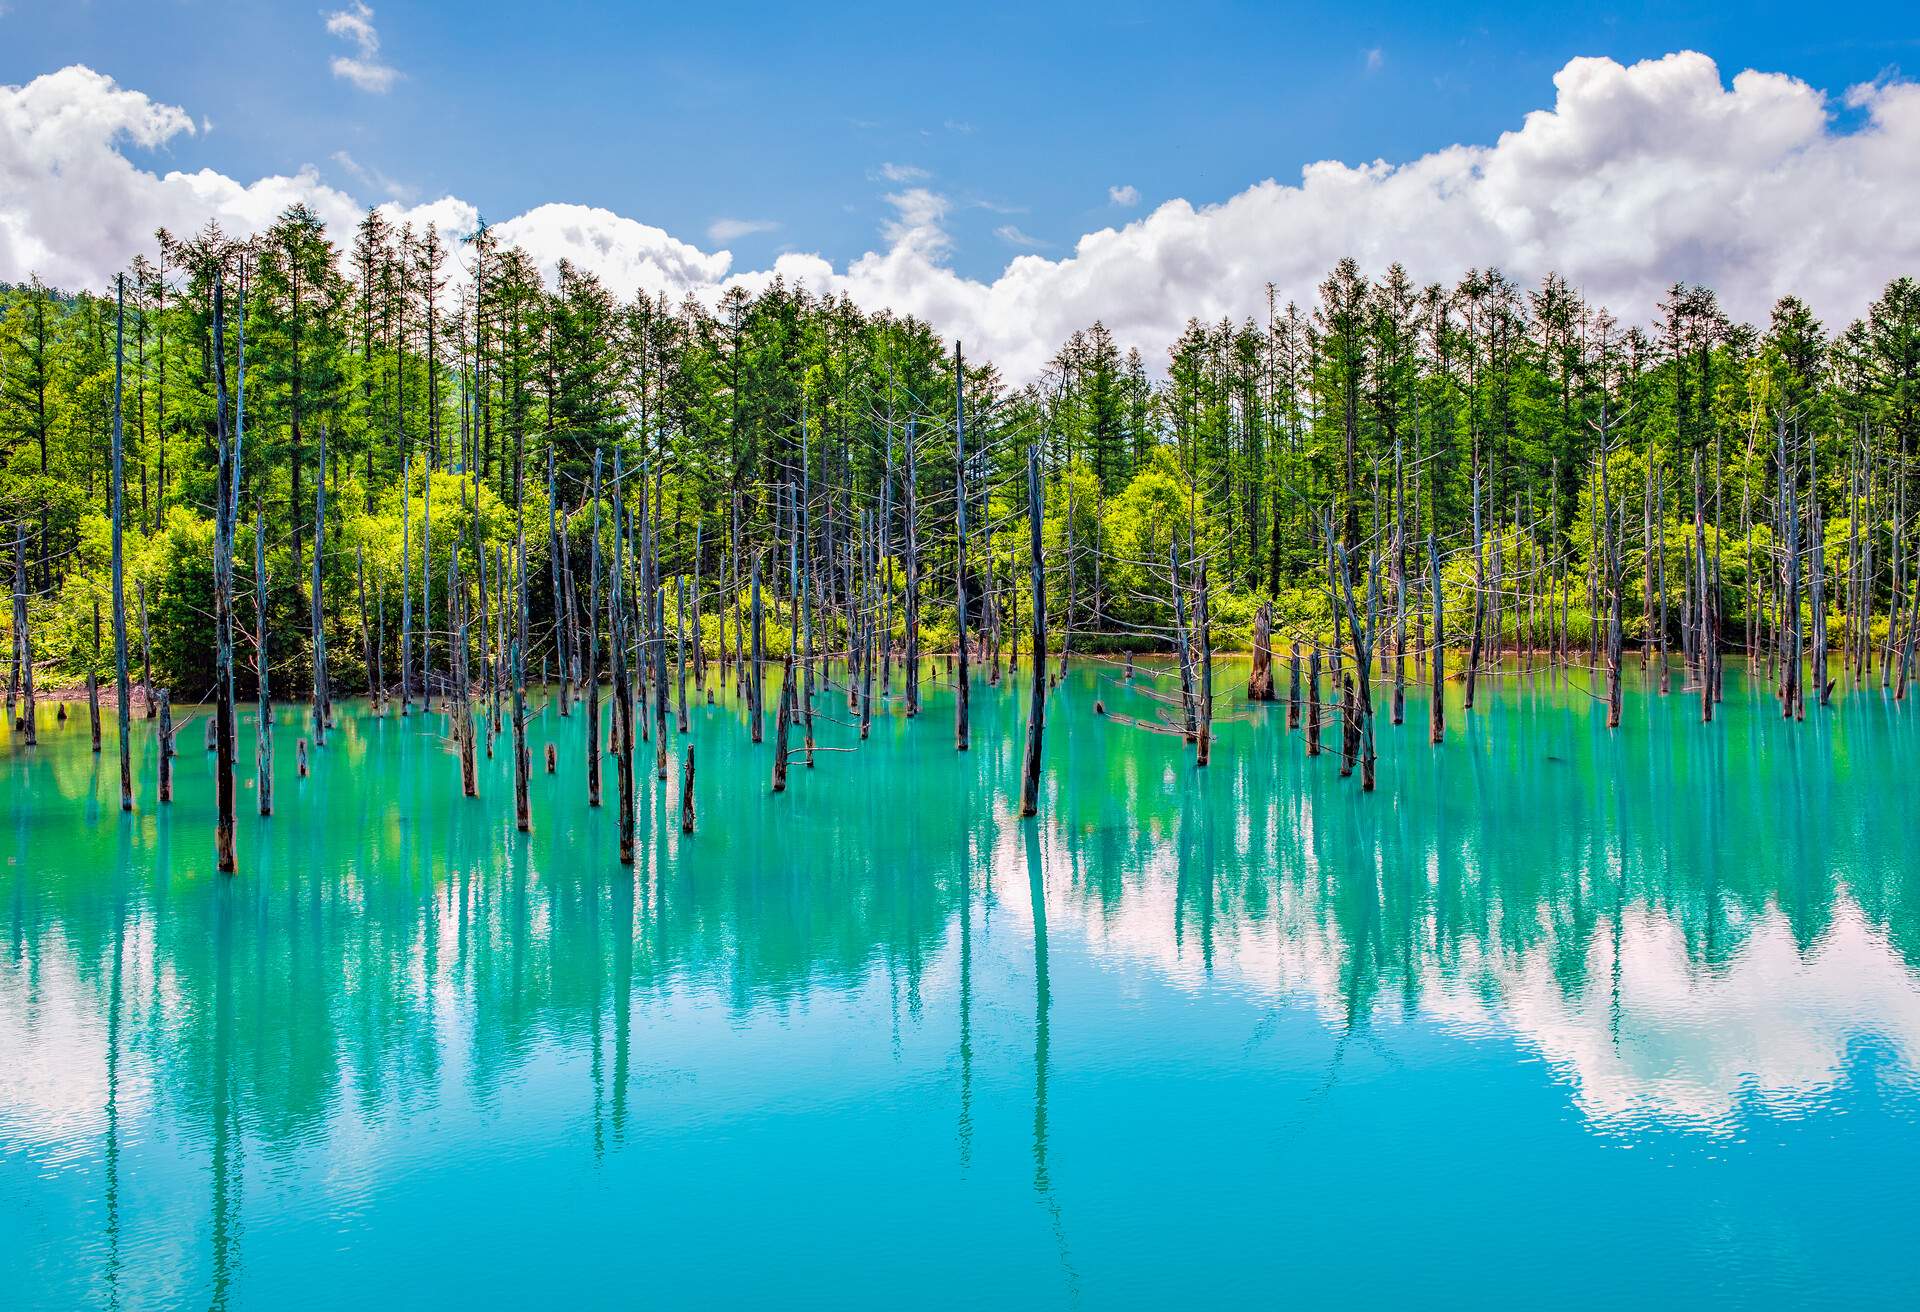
441,379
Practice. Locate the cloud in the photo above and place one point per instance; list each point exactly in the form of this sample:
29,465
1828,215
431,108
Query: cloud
1635,176
74,207
626,255
1374,57
354,25
733,229
1012,235
1774,1026
374,178
1126,196
892,172
916,225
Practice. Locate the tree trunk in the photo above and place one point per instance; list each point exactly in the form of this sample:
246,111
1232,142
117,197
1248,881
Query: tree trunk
1437,703
961,728
317,600
622,683
593,646
1037,704
122,690
224,484
1260,678
263,726
522,761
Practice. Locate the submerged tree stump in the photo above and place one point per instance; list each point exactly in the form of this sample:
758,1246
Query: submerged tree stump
1293,687
1260,678
166,746
686,793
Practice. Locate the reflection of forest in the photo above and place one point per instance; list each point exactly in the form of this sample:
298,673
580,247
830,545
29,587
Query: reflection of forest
1538,875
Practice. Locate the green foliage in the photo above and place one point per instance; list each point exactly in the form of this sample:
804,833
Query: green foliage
1385,402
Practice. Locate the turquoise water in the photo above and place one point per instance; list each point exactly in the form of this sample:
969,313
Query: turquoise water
1557,1017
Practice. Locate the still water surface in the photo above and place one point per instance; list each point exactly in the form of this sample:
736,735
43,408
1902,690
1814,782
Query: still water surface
1556,1017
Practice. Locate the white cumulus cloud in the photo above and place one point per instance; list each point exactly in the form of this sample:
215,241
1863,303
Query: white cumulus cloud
1635,176
1126,196
626,255
354,24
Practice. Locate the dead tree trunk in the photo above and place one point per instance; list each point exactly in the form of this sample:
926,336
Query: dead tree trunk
461,693
1792,700
686,793
23,638
1816,534
622,682
555,550
1399,587
122,690
1479,593
406,584
1313,700
263,716
866,629
1260,678
1360,709
1204,618
699,631
739,620
1708,640
522,761
913,580
1184,646
1037,705
1611,563
488,673
228,477
657,605
1437,703
374,690
166,746
316,601
593,645
756,689
1293,687
783,722
961,728
680,648
803,566
783,727
1660,580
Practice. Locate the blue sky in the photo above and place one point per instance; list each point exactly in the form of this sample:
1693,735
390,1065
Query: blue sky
1023,115
1009,173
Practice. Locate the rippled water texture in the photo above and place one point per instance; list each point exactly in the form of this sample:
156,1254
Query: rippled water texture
1558,1017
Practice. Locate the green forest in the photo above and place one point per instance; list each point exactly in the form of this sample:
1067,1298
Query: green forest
419,402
